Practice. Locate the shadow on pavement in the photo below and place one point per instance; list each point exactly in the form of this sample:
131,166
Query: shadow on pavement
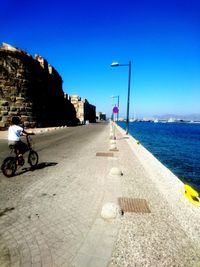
44,165
41,165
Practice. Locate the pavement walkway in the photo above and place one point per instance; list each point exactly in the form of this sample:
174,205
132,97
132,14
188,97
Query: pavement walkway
58,221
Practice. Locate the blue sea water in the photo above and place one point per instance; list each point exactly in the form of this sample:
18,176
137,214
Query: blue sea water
176,145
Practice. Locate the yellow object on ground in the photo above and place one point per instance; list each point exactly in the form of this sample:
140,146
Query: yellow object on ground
192,195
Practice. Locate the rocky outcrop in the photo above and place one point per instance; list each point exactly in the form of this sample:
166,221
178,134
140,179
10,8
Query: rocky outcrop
32,89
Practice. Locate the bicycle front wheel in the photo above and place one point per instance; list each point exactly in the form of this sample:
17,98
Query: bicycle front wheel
33,158
9,166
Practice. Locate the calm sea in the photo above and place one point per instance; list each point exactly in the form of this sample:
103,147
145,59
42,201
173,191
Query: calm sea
176,145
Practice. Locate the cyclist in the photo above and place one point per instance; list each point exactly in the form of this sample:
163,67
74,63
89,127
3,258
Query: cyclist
14,133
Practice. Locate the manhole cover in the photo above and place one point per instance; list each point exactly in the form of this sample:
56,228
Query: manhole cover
133,205
104,154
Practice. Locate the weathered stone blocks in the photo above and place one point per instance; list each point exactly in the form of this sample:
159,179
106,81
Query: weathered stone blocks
13,108
4,103
31,87
4,113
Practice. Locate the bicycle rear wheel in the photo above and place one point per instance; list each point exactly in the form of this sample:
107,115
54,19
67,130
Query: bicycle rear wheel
33,158
9,166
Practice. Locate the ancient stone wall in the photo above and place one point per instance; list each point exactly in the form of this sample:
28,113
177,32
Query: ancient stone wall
79,107
32,89
90,112
84,110
100,116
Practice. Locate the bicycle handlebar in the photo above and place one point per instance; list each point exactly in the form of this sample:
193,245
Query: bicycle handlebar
29,141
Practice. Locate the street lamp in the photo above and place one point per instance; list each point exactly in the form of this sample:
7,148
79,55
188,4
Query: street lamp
117,96
116,64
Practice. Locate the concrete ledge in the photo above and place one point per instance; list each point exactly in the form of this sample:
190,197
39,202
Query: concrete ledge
171,188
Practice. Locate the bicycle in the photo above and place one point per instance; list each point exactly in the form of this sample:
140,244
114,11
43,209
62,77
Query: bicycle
10,164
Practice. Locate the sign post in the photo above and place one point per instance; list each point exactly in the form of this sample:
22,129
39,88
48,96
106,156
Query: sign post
115,111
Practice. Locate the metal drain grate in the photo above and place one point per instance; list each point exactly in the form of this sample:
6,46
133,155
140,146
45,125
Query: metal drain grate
104,154
133,205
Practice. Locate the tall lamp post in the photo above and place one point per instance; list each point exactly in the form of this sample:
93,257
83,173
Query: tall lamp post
116,64
117,96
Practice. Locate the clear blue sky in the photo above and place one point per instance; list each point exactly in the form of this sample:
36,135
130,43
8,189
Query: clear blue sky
81,38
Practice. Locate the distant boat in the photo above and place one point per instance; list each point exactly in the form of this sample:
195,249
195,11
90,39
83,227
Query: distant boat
155,121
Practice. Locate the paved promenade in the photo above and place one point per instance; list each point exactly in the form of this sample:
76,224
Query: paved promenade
57,221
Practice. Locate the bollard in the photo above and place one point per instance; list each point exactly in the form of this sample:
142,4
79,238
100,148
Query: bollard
113,147
111,211
116,171
111,136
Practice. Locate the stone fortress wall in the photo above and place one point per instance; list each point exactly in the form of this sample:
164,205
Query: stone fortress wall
32,89
84,110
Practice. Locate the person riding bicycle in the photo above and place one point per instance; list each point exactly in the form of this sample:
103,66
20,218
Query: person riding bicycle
14,133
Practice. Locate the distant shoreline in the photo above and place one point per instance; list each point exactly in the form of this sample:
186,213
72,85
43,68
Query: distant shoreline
163,121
